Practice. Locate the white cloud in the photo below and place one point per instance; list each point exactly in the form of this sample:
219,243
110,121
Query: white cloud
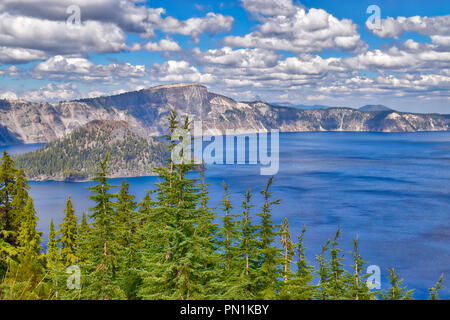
163,45
432,26
293,28
81,69
53,92
8,95
241,58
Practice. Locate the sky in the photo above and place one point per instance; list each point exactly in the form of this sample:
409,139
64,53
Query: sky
312,52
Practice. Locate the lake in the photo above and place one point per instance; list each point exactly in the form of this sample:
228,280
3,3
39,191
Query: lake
392,191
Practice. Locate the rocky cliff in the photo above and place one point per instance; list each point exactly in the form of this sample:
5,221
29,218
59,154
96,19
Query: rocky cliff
146,112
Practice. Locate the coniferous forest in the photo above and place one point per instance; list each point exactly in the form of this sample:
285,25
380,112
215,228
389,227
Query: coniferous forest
170,246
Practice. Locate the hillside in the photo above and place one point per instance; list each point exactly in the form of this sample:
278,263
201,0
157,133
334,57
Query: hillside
76,156
146,112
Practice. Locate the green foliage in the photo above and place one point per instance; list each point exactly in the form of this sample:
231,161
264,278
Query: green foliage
68,231
396,291
434,291
268,271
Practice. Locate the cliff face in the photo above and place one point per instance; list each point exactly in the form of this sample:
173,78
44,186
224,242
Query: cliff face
146,112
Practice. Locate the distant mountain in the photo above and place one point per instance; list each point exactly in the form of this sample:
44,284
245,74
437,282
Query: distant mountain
299,106
375,108
76,157
146,112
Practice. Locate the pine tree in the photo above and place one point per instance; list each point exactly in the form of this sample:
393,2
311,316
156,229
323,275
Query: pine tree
82,248
396,291
179,258
323,272
19,198
126,222
68,230
338,275
53,262
288,250
357,289
53,255
244,285
8,223
268,271
299,286
434,291
229,235
101,264
29,242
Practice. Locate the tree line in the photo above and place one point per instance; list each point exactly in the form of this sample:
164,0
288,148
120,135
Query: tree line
170,246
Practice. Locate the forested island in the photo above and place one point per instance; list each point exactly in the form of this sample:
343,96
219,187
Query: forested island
76,156
169,246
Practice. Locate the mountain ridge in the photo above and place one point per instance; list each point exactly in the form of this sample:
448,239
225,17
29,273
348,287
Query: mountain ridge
146,112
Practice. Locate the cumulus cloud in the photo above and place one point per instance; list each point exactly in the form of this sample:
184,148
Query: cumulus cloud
179,71
81,69
8,95
436,27
37,27
38,35
19,55
53,92
296,29
164,45
241,58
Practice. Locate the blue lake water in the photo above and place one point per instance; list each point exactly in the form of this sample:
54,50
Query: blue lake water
392,191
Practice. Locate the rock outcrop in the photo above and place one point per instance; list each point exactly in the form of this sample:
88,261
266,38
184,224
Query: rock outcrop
146,112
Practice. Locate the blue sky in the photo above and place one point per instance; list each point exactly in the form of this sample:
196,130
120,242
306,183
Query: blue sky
302,52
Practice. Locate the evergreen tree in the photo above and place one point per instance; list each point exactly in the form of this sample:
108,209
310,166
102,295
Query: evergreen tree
82,245
53,255
299,286
434,291
101,264
8,223
358,289
179,258
396,291
29,242
68,230
127,222
268,272
338,275
323,272
288,250
229,235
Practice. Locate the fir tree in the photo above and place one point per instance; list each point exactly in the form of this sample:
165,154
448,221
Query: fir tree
268,272
299,286
434,291
127,222
323,272
53,255
229,235
179,259
29,242
358,289
101,264
338,275
8,223
68,230
396,291
288,250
